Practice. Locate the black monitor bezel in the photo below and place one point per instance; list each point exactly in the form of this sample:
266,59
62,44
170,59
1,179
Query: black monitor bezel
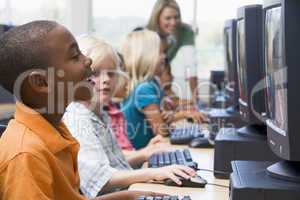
253,50
287,147
233,92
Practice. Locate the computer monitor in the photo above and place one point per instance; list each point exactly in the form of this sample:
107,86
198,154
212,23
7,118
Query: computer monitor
250,63
282,62
231,77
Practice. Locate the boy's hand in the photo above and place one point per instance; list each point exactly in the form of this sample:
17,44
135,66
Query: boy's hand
173,172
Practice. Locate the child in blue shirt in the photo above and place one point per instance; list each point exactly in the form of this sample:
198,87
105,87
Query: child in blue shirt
144,59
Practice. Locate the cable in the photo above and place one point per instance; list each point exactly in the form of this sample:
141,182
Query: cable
214,171
214,184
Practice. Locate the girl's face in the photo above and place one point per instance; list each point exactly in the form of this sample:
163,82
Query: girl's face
168,20
103,80
161,61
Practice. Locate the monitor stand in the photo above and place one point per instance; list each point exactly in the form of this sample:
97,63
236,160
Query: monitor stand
247,143
251,180
255,131
285,170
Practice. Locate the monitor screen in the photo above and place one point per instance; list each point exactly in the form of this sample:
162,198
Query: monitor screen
227,55
242,73
276,71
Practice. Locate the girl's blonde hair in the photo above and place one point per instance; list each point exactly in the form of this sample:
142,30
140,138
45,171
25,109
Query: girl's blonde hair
153,23
140,51
97,49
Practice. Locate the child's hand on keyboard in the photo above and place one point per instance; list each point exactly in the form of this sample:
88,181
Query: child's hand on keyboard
196,116
173,172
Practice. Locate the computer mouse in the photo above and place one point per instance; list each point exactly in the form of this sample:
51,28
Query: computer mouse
201,142
193,182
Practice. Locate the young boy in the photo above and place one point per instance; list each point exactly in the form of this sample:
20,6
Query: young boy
38,155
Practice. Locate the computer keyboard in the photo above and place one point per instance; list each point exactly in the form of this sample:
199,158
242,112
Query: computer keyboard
180,158
174,157
185,135
163,198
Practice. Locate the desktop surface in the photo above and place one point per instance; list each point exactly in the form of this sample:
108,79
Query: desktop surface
204,158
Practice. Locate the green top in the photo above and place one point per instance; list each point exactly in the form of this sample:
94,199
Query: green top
186,36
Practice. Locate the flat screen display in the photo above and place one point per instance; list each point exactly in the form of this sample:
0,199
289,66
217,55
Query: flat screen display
228,55
276,70
242,73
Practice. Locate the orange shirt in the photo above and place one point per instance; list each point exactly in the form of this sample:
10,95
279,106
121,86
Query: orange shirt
36,160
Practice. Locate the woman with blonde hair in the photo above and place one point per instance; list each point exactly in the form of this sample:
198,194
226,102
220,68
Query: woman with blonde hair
166,21
102,166
144,60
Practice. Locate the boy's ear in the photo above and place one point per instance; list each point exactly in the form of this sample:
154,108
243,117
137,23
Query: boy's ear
38,81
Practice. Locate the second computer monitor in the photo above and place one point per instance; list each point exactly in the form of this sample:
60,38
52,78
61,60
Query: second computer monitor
231,87
250,63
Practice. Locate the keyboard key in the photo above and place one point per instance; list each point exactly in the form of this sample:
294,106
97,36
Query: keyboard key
166,198
187,155
161,162
174,198
167,158
173,158
153,161
179,157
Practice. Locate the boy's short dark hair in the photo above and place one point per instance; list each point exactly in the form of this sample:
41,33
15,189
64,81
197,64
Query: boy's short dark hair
23,48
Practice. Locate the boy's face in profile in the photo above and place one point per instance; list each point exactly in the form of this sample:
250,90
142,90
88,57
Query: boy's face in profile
71,67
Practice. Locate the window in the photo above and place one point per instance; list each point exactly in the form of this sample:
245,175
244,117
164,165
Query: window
16,12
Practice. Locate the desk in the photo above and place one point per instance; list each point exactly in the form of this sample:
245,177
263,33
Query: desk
204,158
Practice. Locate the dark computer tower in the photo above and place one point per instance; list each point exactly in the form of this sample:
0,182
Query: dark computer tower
280,180
248,142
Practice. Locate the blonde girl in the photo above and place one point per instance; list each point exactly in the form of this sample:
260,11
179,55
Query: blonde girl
144,60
